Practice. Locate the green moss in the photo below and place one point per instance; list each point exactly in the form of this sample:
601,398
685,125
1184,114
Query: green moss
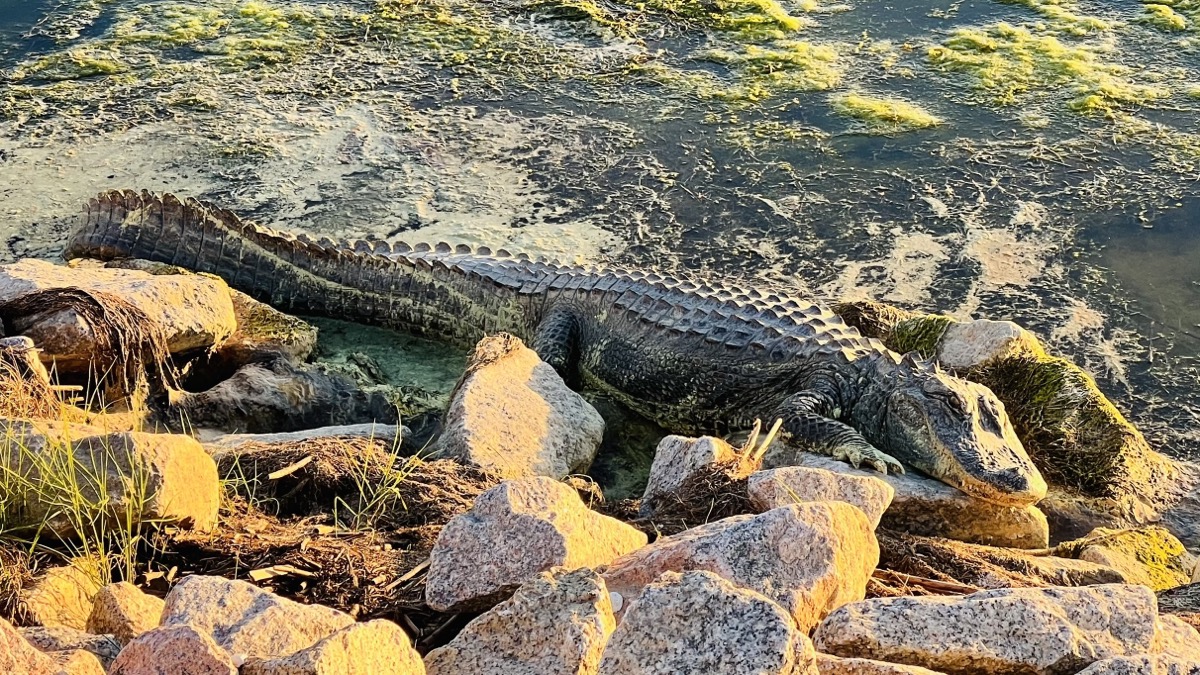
882,114
1010,62
1160,559
921,334
1073,433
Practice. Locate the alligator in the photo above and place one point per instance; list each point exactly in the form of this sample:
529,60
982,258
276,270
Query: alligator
694,356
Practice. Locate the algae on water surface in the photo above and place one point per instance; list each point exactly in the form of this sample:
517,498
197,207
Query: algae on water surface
771,139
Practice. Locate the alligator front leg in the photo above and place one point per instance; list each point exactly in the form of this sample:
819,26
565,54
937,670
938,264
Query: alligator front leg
556,341
808,423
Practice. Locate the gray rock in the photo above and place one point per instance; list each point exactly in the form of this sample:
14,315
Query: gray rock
513,415
697,622
555,624
933,509
176,479
1144,664
174,650
513,532
1039,631
62,597
62,639
835,665
370,648
279,395
810,558
795,484
18,656
218,444
972,343
247,621
124,611
678,457
1177,638
77,662
194,312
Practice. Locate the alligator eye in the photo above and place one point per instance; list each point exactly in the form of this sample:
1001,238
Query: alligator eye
989,416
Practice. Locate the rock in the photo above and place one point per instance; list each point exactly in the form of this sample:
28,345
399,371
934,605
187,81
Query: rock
275,394
124,611
555,624
1044,631
218,445
794,484
246,620
21,355
194,311
60,639
973,343
18,656
1144,664
1150,556
810,558
176,480
697,622
513,415
77,662
931,508
370,648
262,328
513,532
677,458
1177,638
834,665
62,597
173,650
985,567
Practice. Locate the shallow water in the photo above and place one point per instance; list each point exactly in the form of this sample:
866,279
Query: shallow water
513,123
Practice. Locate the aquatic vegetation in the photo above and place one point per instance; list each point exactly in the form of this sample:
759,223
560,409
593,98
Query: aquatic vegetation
884,114
1164,17
1063,16
1008,62
240,34
72,65
1173,16
750,20
784,65
460,34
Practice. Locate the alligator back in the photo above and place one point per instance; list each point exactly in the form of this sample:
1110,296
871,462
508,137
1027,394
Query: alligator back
454,293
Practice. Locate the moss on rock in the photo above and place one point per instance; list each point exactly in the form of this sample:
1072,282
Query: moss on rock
1072,431
1149,555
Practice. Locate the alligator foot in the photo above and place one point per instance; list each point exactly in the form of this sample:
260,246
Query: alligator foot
857,454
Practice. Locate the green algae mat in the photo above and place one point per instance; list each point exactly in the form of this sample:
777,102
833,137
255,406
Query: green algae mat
1034,160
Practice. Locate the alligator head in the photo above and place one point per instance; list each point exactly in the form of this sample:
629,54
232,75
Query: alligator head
958,432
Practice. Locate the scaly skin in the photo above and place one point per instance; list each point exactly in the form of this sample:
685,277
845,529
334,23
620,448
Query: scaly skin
696,357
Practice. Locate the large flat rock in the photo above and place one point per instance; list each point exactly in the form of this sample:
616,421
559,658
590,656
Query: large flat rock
810,558
697,622
514,532
1038,631
513,415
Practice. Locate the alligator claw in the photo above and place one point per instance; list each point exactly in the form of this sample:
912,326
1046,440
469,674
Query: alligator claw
858,455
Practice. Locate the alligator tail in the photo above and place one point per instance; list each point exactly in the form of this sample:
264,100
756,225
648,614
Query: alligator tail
367,282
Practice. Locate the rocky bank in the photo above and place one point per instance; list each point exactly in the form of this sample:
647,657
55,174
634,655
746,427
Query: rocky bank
189,486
